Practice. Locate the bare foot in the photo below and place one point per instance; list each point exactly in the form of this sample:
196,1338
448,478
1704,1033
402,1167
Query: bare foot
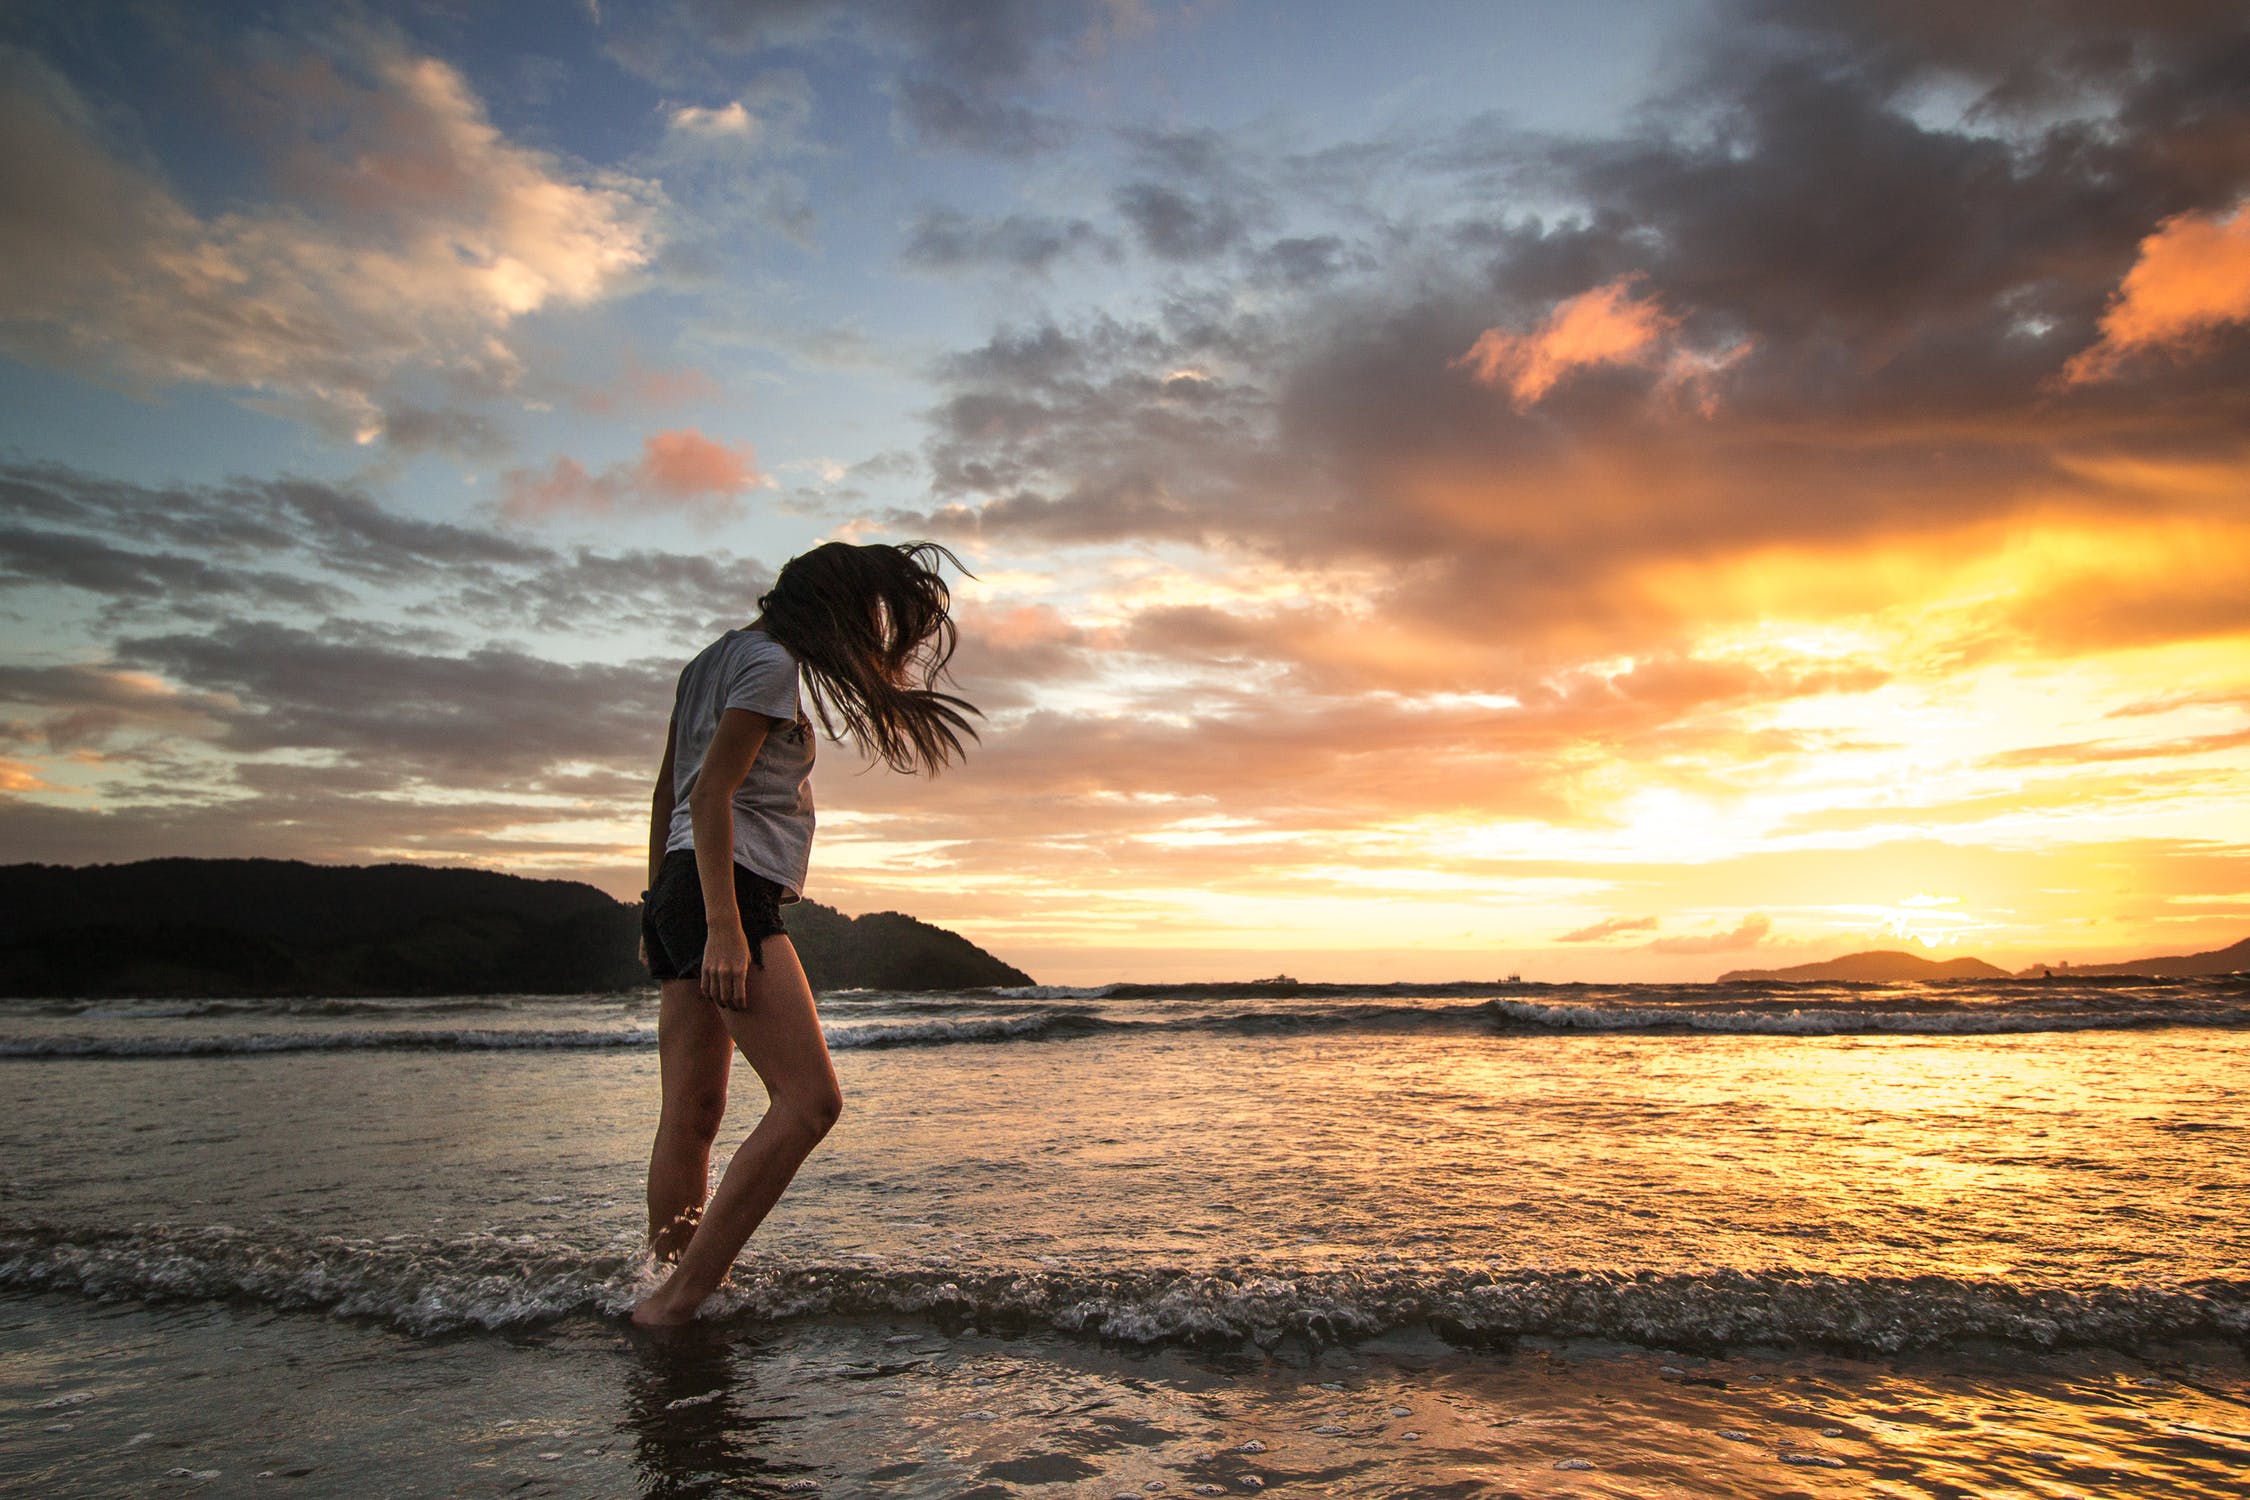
658,1313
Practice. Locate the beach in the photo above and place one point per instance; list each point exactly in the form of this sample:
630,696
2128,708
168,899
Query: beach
1438,1240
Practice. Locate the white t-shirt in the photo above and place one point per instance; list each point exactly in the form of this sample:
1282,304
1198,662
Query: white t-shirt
773,808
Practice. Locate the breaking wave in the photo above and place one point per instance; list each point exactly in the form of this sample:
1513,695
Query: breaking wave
427,1285
1054,1014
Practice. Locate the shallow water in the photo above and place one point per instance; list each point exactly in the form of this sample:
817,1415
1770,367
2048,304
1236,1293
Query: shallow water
121,1398
1994,1236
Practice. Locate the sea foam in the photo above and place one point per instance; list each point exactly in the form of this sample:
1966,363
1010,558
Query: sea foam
428,1284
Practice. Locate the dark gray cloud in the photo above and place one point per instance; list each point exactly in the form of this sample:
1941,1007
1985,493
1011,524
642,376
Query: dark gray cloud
1176,225
946,240
30,557
296,545
1303,261
493,716
1103,431
2023,56
1195,196
329,527
413,428
938,113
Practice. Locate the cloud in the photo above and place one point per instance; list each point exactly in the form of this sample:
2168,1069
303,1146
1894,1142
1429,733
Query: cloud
730,119
767,117
494,716
1749,933
2023,58
244,686
961,77
971,67
1176,225
938,113
1299,261
281,545
2191,279
1609,927
1605,326
87,706
945,240
725,175
680,470
1196,195
416,235
1882,293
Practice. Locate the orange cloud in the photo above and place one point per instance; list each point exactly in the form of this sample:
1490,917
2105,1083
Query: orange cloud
1752,931
21,776
414,236
1606,326
680,470
2191,279
1609,927
687,464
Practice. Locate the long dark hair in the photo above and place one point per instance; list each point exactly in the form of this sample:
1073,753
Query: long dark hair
869,625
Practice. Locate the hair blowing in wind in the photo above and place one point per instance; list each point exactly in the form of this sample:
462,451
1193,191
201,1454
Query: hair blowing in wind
870,626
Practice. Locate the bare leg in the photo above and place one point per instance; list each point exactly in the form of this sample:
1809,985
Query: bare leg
779,1032
696,1055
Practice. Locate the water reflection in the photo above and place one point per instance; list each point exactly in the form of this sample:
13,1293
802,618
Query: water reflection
692,1407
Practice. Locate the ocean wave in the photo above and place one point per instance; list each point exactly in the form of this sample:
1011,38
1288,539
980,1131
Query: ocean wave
1055,992
841,1037
310,1007
1895,1014
401,1039
428,1285
939,1033
1860,1020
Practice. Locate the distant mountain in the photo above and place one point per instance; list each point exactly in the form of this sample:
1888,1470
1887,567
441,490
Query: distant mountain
888,950
2235,959
254,927
1881,967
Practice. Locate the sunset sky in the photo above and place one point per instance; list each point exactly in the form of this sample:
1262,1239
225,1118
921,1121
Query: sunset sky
1610,490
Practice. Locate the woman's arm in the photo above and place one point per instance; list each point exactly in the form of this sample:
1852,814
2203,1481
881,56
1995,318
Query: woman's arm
726,951
660,804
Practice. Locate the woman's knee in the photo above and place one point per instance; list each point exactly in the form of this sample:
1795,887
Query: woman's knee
815,1109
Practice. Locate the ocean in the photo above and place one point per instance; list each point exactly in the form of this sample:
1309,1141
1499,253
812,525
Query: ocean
1965,1239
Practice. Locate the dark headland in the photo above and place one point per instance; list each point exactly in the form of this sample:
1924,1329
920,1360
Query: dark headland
1881,967
250,927
1888,967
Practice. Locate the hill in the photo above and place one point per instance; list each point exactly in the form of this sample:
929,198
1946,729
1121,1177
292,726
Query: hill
2230,960
282,927
1883,966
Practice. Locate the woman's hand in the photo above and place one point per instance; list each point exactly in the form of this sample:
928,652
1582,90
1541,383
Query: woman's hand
726,965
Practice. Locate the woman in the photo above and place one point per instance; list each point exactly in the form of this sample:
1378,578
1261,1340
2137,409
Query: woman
730,831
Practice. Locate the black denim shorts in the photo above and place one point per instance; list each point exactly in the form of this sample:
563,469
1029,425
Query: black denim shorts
672,916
